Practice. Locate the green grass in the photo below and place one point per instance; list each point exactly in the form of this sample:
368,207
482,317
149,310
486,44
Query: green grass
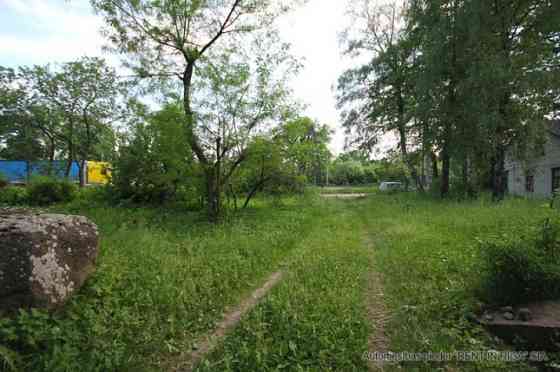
429,254
165,277
315,319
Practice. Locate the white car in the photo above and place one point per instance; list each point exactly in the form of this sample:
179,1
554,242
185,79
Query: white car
390,186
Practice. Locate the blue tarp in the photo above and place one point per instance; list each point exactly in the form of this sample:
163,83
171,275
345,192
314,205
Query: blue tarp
17,170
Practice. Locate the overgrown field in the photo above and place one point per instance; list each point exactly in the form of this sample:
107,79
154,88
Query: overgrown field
429,254
166,277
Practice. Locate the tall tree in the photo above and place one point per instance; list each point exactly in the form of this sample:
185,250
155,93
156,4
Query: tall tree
378,96
169,40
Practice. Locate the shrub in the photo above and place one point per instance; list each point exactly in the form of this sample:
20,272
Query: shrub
555,201
12,195
45,190
156,161
522,269
3,180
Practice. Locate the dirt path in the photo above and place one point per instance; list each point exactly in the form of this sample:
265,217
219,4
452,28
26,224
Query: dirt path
378,314
207,343
344,196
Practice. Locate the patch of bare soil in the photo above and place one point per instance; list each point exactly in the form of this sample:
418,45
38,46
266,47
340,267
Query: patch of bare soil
378,315
207,343
344,196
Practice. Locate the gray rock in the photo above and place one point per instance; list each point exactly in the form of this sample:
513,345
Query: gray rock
506,309
524,314
44,258
509,316
488,317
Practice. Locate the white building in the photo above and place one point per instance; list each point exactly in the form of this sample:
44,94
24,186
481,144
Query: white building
539,176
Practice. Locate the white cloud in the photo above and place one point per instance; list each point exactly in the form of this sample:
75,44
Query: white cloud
313,32
56,31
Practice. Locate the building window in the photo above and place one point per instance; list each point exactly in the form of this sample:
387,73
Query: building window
530,183
555,179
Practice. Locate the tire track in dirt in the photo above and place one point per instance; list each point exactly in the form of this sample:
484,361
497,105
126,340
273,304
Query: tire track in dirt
378,314
207,343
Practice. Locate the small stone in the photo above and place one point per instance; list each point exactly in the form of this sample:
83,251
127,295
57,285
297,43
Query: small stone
488,317
509,316
524,314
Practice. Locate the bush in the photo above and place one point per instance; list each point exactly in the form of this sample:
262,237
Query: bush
523,269
3,180
156,162
12,195
45,190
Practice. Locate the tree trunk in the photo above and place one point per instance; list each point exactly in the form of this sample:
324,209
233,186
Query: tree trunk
213,197
402,140
465,176
81,173
435,169
498,175
445,165
250,196
233,195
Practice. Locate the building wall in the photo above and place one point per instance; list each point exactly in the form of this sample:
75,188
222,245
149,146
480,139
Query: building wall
541,168
18,171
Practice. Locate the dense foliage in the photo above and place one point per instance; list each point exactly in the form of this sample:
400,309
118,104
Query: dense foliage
462,83
47,190
525,268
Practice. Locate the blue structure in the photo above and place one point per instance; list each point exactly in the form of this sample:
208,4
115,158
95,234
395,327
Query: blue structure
18,171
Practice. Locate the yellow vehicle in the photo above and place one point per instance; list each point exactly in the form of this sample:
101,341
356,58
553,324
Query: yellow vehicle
98,172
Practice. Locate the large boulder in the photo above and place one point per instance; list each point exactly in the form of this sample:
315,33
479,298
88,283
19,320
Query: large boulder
44,258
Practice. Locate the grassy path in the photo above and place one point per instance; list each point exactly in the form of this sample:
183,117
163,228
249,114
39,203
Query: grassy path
188,361
408,288
316,319
378,314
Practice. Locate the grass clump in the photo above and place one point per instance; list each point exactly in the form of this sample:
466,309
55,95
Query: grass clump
523,268
48,190
13,196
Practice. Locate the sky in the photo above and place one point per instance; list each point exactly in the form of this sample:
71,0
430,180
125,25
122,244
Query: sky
46,31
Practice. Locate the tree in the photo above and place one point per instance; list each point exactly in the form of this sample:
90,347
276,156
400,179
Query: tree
19,120
169,40
155,161
498,49
81,99
378,96
515,68
305,144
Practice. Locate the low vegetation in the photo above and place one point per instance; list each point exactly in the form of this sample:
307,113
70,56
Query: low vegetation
523,267
165,277
41,191
315,319
431,256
